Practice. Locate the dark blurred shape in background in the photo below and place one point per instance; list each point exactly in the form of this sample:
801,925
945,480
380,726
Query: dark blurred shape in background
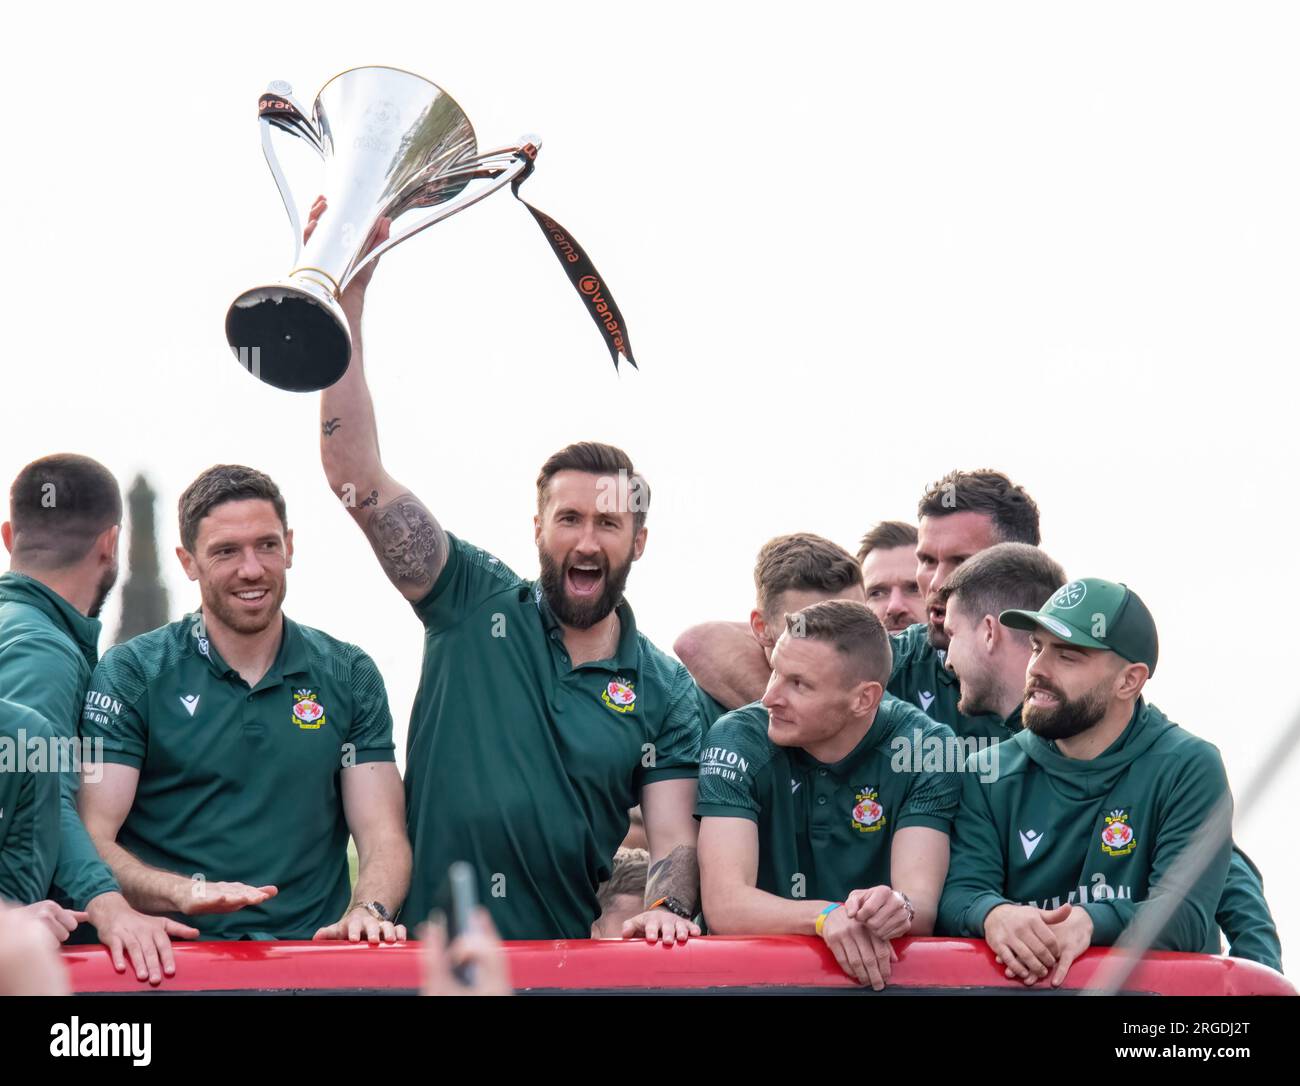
144,598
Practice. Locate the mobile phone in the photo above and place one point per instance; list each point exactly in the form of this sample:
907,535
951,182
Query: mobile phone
464,900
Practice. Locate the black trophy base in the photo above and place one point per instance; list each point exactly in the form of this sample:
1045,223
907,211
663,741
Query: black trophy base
289,339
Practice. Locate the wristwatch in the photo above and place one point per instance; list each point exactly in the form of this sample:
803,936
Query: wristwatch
375,909
907,904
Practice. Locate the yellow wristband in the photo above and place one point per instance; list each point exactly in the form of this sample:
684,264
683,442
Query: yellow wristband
821,916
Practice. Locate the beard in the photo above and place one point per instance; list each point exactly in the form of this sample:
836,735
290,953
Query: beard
979,695
104,587
216,603
582,614
1068,718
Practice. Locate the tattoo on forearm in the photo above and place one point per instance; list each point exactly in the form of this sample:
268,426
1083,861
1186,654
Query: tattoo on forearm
330,425
372,500
409,542
677,875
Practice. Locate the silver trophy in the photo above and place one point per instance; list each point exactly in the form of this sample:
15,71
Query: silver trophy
391,143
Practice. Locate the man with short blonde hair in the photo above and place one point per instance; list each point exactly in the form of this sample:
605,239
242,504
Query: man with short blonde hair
811,822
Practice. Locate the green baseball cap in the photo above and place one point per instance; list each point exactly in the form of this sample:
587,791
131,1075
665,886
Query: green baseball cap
1095,614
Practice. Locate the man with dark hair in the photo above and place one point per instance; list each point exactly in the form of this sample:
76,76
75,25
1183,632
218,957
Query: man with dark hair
543,713
990,659
239,744
1096,799
806,805
65,514
888,557
960,515
792,572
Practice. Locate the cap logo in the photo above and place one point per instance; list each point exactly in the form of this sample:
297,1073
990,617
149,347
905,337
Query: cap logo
1070,596
1056,626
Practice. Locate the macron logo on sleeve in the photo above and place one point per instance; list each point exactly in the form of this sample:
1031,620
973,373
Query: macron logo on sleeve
191,702
925,697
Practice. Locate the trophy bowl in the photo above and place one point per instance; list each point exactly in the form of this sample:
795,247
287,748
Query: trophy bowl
392,145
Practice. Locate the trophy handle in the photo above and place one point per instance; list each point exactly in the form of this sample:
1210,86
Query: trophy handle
278,109
499,168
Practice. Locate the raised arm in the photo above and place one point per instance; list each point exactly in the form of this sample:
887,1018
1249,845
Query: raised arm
409,543
726,661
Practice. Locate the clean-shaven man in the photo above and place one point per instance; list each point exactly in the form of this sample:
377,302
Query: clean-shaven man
241,748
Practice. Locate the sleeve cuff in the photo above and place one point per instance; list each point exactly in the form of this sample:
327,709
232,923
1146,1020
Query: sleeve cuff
83,899
123,757
931,822
375,754
422,605
981,907
669,773
1106,923
718,810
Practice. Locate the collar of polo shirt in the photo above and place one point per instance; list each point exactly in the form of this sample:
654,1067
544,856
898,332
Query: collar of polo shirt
290,658
626,655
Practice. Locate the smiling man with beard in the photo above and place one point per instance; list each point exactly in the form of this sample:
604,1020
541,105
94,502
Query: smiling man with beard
543,714
239,745
1095,800
990,659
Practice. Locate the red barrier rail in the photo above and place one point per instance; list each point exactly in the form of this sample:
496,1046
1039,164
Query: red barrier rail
953,966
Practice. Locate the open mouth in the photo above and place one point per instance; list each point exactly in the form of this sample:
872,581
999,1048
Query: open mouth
584,579
1042,698
252,597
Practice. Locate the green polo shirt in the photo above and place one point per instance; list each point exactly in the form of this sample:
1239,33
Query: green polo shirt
47,651
711,710
521,764
29,804
826,830
240,784
920,678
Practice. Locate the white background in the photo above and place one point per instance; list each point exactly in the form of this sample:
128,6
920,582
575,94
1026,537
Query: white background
855,247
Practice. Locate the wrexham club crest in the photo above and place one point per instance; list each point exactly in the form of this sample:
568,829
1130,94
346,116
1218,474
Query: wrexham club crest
619,695
308,713
1118,838
868,814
